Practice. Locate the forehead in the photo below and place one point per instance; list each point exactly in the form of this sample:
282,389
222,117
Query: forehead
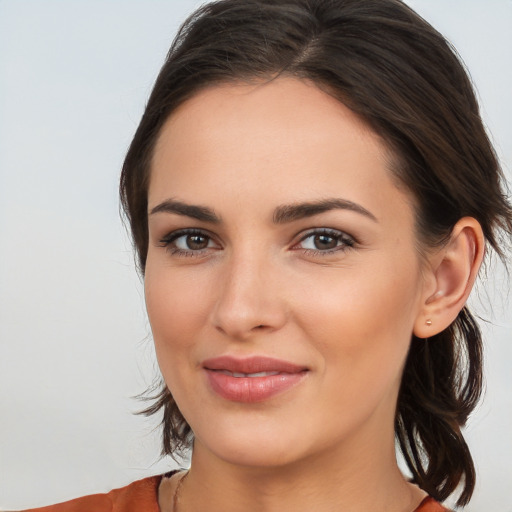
228,141
280,108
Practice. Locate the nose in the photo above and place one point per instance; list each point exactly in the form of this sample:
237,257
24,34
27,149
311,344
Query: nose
249,300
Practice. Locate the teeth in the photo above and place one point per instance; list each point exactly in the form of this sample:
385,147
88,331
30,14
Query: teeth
250,375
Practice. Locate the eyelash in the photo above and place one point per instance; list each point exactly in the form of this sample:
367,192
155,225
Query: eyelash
346,242
168,240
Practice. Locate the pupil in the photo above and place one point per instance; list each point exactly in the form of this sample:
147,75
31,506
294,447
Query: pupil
325,242
197,242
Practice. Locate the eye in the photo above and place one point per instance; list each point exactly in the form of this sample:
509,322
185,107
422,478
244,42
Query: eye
188,242
325,241
192,242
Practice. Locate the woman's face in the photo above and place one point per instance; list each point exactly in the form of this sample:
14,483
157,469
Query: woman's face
282,280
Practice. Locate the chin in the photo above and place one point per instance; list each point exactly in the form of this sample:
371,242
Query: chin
255,454
252,443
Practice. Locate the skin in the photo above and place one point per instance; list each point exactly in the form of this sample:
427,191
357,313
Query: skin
256,287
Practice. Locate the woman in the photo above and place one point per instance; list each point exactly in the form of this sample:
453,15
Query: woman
311,192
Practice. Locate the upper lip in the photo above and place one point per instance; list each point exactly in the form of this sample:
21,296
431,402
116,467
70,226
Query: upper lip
254,364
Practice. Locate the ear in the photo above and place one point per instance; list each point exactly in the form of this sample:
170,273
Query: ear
449,278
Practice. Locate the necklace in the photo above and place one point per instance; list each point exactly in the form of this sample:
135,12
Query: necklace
177,491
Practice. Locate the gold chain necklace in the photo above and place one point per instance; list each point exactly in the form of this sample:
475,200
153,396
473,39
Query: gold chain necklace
177,491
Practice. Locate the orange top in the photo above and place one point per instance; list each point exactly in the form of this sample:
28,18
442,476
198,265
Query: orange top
139,496
142,496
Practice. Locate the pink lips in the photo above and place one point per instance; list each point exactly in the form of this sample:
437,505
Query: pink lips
252,379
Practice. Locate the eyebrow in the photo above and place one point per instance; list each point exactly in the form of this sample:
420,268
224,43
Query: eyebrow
282,214
201,213
289,213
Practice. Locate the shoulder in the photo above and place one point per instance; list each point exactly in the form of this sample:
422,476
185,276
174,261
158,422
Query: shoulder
139,495
431,505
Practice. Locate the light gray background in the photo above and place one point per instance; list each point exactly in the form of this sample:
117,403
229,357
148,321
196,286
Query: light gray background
75,343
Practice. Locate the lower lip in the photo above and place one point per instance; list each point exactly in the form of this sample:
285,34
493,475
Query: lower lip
252,389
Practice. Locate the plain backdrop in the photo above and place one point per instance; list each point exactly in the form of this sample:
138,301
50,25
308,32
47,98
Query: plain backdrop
75,343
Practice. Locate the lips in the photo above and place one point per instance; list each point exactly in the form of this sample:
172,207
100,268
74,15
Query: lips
253,379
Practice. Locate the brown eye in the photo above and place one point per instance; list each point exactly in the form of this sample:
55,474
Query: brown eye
197,242
324,242
188,242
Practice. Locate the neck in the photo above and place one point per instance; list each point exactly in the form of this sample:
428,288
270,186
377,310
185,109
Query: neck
351,478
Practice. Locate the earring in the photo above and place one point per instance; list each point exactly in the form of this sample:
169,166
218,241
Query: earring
428,322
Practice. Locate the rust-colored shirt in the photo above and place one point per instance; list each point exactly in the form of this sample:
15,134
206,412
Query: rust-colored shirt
142,496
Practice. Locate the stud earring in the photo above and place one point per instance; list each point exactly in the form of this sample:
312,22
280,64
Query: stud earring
428,322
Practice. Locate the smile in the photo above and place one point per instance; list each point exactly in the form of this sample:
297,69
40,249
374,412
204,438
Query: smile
250,375
254,379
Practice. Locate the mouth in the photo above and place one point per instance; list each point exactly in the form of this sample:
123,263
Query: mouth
239,375
253,379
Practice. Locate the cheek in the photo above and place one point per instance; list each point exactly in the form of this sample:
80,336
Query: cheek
362,321
177,307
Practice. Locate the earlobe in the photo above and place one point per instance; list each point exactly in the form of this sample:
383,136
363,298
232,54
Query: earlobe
454,269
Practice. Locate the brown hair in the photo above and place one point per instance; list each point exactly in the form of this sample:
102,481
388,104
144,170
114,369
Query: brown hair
389,66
